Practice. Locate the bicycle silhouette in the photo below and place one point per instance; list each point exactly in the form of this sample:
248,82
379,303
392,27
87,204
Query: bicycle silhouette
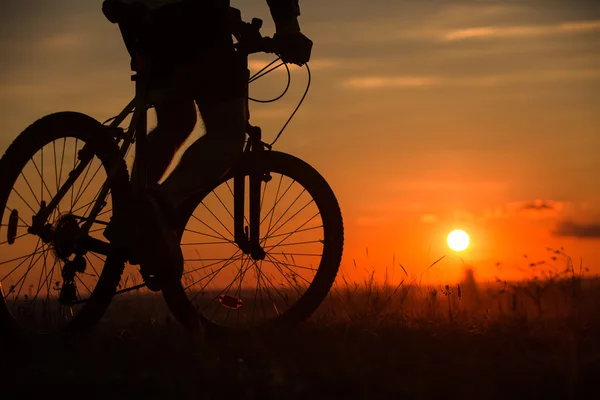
262,246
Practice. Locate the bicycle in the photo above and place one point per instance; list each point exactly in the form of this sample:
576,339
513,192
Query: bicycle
73,273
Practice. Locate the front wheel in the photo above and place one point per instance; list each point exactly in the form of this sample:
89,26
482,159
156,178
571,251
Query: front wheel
301,231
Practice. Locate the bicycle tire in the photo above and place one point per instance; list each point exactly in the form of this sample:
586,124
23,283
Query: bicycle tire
39,134
185,311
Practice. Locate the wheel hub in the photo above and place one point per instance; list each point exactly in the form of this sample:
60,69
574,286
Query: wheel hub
65,233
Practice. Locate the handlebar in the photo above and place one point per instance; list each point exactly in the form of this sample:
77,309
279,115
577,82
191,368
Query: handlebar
264,45
248,36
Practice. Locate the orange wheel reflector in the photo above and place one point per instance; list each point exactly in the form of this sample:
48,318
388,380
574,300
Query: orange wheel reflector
230,302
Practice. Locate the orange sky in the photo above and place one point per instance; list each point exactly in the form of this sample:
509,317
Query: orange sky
424,116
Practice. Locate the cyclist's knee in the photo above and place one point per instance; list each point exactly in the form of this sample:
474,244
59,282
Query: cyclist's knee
225,120
176,118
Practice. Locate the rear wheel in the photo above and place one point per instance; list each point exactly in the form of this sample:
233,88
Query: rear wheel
301,232
37,297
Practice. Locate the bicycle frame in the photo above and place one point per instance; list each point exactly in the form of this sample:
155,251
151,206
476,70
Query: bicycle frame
246,237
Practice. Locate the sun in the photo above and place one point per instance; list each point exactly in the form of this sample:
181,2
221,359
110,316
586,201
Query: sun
458,240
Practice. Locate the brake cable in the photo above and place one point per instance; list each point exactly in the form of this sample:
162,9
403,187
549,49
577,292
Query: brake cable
297,107
264,71
289,81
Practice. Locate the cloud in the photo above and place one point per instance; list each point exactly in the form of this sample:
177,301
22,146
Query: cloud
67,42
533,209
376,82
429,218
542,205
372,221
522,31
448,186
395,82
577,230
317,64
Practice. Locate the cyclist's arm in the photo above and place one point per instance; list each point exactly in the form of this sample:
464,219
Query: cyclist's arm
285,14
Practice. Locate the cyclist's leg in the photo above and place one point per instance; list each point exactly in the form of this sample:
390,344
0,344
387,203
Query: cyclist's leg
211,155
176,119
218,81
175,122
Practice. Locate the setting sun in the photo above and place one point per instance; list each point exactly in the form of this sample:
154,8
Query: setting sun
458,240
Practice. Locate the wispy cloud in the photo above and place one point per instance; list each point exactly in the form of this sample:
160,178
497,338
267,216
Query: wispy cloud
394,82
317,64
377,82
534,209
429,218
540,205
578,230
522,31
446,186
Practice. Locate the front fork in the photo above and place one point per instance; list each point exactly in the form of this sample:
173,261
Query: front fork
248,237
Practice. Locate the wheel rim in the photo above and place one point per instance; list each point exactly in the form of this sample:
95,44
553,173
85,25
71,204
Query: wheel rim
227,286
31,269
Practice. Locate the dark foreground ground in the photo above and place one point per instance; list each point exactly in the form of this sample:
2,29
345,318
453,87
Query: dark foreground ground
368,343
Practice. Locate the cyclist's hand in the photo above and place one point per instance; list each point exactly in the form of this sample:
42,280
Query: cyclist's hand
293,48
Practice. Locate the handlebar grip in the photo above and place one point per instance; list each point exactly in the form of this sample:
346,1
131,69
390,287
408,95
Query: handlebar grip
268,45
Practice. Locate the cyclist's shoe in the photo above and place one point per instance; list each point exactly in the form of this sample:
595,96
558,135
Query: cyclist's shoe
157,244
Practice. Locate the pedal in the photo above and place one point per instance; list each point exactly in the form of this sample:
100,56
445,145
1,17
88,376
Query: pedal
233,303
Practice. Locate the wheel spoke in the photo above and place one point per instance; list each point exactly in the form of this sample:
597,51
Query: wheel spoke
276,263
272,255
41,174
206,243
223,204
15,239
78,194
88,184
276,290
30,188
290,235
20,219
214,274
292,244
40,283
277,200
284,275
293,216
207,235
75,149
92,265
225,290
285,212
218,219
212,229
17,259
205,266
28,269
62,160
24,201
296,231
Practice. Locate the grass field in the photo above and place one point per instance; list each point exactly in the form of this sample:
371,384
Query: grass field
538,338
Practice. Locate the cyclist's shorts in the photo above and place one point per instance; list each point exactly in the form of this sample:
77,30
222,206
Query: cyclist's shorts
218,74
